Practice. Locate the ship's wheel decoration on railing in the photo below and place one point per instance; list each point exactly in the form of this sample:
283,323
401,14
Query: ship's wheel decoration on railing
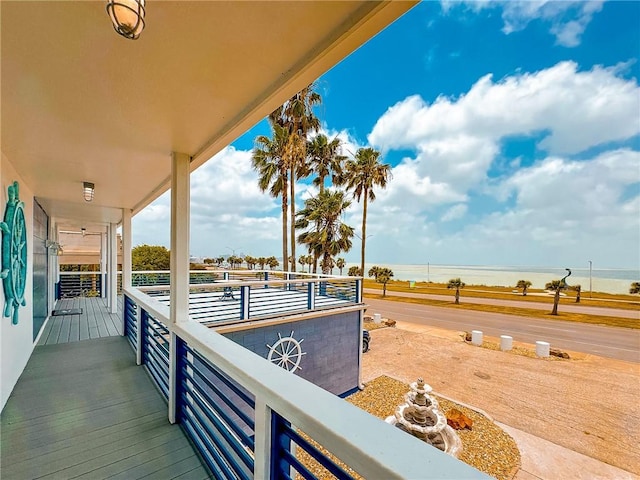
286,352
14,253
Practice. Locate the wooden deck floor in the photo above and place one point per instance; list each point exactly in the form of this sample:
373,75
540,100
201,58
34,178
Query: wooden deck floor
94,322
85,410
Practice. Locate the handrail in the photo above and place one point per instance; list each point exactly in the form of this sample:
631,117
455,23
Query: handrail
368,445
250,283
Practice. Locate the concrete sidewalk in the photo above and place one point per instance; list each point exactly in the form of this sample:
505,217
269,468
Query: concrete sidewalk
544,460
575,418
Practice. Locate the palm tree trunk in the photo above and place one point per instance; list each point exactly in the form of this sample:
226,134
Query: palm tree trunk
285,241
325,263
457,296
556,300
292,203
384,289
364,236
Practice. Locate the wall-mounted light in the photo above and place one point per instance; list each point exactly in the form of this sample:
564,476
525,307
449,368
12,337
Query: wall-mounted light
54,247
84,231
87,191
127,17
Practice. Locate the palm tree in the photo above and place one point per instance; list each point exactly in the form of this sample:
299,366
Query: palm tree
457,284
635,288
524,285
262,261
354,271
302,260
270,160
578,290
361,175
297,117
324,159
326,235
382,275
340,263
557,285
272,262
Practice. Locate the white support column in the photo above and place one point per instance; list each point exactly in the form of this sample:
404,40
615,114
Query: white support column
126,248
179,276
53,274
180,213
103,263
113,270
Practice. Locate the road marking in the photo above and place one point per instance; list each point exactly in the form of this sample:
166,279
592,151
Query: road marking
572,330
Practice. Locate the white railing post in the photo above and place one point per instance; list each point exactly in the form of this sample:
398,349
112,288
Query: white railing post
245,298
262,447
358,290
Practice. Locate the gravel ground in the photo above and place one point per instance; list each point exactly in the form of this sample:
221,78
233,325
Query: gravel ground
587,404
485,447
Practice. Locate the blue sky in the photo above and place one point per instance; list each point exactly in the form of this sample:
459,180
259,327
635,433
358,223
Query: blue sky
513,131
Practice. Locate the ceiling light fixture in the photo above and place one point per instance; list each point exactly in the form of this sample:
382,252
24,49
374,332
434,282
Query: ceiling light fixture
127,17
87,191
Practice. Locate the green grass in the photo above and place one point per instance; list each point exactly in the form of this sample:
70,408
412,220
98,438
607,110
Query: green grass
525,312
605,300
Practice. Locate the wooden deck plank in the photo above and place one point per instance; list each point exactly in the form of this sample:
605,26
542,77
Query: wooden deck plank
83,333
65,324
46,332
198,473
104,462
85,409
188,464
55,330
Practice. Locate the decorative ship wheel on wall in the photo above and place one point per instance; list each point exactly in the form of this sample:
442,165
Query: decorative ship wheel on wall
14,253
286,353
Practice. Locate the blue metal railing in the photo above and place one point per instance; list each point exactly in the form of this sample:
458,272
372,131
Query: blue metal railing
155,351
231,300
130,322
283,435
242,412
217,414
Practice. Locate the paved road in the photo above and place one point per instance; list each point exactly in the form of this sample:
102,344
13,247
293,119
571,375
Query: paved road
611,342
607,312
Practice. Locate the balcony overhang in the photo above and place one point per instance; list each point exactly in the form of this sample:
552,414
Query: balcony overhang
80,103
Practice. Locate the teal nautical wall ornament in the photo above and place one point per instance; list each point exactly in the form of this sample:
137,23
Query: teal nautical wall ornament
14,253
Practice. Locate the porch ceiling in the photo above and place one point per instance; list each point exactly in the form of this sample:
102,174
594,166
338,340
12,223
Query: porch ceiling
80,103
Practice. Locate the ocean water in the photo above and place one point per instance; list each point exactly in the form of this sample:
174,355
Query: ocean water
602,280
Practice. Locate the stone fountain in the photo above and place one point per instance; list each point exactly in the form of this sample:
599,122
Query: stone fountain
421,417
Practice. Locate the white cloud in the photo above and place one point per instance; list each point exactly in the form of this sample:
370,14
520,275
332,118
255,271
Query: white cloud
562,212
228,210
567,20
227,183
559,208
455,212
578,109
458,140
